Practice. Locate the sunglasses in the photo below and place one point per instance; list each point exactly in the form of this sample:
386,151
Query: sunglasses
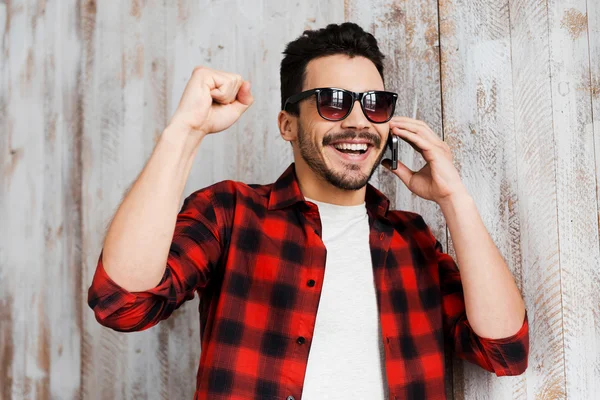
335,104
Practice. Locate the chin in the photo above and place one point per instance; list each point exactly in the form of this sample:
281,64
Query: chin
349,176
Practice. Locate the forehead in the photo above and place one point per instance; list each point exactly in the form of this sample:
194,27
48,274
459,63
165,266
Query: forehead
358,74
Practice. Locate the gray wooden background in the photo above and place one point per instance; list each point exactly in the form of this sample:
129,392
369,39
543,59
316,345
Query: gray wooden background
86,87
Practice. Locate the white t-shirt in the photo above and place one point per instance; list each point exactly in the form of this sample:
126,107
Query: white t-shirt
346,359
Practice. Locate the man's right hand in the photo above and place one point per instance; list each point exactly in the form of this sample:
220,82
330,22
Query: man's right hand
211,102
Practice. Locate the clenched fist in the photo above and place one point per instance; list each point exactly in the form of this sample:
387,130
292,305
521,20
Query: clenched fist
212,101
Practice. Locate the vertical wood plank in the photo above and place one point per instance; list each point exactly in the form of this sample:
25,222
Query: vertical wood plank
536,163
39,204
576,195
126,111
105,365
593,12
61,277
479,127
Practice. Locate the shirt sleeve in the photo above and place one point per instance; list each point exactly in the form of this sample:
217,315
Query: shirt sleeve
193,255
502,356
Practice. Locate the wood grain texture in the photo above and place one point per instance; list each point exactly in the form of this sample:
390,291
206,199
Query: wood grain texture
86,88
536,165
106,365
593,90
576,195
478,110
40,302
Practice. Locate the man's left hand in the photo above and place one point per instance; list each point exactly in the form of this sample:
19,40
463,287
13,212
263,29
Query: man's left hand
438,180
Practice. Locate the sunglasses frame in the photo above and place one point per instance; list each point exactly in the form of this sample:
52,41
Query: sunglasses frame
355,96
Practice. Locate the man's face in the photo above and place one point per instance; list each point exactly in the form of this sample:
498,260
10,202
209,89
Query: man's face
318,137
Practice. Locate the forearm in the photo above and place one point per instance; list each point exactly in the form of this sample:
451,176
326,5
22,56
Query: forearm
137,243
494,306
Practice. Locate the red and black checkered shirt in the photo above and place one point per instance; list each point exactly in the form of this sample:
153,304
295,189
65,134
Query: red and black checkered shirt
255,256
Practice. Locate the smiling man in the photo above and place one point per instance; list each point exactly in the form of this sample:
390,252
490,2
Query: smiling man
311,287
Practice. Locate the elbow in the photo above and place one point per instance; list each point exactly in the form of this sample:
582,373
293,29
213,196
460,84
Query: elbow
514,370
514,356
139,315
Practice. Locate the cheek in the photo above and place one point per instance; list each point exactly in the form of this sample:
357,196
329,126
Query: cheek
315,130
383,130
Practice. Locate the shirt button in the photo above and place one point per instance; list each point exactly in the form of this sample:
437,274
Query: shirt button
290,398
300,340
311,283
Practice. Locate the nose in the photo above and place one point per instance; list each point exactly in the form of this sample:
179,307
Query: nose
356,119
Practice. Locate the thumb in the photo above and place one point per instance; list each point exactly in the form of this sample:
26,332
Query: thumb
244,96
402,172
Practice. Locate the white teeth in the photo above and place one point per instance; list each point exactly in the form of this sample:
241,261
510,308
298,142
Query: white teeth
348,146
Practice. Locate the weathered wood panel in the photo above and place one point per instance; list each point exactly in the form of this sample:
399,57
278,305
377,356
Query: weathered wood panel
576,195
86,88
106,365
478,114
40,301
535,166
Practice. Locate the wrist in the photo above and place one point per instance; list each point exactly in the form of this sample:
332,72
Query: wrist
181,138
454,200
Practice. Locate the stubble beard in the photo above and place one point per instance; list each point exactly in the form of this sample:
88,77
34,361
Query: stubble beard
351,178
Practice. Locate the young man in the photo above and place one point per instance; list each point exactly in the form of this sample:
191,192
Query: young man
310,287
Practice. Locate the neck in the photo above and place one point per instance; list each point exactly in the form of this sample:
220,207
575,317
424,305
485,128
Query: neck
317,188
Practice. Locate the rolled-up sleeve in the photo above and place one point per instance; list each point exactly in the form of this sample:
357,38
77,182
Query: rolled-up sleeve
503,356
194,254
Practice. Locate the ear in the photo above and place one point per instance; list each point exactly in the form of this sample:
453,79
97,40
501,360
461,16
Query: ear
288,126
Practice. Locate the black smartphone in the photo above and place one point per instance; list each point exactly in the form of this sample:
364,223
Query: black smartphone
392,151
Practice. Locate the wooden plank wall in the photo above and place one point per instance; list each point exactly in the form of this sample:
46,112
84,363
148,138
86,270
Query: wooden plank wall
87,86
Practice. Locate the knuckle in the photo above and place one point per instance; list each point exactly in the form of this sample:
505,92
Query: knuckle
199,70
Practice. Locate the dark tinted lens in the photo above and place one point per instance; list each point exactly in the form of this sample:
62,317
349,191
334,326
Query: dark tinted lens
378,106
334,104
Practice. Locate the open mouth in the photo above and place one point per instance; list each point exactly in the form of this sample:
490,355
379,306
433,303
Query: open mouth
352,151
347,148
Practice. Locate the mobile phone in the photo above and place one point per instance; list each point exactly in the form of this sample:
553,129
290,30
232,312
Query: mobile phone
392,151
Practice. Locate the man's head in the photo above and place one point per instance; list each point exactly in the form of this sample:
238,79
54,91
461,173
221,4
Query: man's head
339,56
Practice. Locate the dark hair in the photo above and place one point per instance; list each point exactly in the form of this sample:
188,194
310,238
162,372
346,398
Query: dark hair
347,38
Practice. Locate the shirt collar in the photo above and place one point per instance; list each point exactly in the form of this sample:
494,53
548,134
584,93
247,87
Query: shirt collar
286,192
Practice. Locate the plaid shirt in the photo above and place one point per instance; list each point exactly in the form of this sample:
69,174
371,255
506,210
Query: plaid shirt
255,256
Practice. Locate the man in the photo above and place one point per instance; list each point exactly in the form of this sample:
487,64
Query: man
310,287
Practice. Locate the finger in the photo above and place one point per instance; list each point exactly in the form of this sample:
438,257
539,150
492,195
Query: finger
408,123
418,127
226,87
233,87
420,141
219,95
402,119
